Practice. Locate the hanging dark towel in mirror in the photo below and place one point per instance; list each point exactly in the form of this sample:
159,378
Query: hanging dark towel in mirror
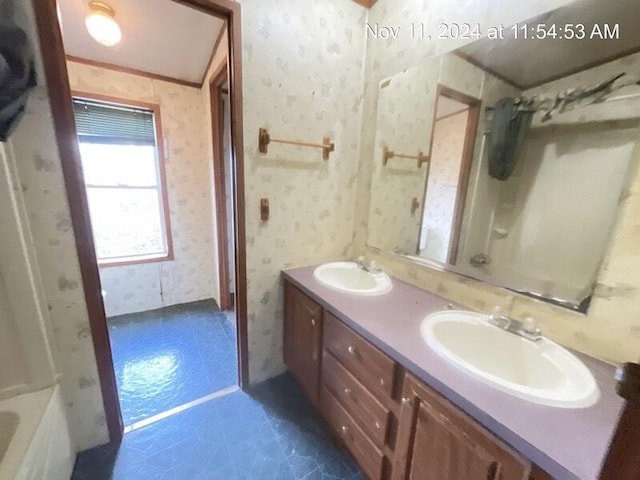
508,131
17,71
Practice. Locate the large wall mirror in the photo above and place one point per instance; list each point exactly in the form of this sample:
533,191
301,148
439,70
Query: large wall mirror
506,159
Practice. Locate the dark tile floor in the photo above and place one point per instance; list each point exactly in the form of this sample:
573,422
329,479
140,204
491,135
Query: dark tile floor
167,357
272,433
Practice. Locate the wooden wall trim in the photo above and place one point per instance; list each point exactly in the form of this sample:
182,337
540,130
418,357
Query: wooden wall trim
132,71
64,124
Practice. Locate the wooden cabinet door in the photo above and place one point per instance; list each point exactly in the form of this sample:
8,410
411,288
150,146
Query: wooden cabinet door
302,339
438,442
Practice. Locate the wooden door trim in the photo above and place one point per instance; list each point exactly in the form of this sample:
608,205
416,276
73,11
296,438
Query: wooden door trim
219,184
60,99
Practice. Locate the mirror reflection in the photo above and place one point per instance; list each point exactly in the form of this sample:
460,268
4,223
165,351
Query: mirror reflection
509,175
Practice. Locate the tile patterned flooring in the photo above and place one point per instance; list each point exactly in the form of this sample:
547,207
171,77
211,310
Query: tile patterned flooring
270,433
167,357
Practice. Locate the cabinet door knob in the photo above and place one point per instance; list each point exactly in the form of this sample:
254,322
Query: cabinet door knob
313,322
351,350
344,429
347,391
377,425
382,381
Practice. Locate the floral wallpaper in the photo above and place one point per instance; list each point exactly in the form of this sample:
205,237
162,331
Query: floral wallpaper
611,329
302,74
405,111
193,273
50,222
406,103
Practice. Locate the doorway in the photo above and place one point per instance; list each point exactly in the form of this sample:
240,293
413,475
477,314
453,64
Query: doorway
452,141
178,288
223,167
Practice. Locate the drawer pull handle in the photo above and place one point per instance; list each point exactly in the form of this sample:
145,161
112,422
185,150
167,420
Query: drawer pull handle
344,429
351,350
406,401
377,425
313,322
382,381
347,391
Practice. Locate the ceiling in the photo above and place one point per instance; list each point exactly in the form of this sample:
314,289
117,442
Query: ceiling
158,36
531,62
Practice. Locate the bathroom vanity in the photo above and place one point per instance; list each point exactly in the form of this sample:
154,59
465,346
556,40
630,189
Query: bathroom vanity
404,412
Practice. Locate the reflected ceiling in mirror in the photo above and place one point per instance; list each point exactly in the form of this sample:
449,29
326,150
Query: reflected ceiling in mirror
477,172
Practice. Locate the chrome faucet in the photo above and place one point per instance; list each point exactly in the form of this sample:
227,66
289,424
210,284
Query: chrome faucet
370,266
528,328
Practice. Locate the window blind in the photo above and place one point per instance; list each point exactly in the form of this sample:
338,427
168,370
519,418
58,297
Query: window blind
105,123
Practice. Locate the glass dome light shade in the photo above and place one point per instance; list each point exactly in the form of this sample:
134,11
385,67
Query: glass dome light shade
102,26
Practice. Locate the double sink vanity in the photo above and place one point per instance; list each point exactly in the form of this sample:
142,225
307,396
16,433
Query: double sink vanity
417,388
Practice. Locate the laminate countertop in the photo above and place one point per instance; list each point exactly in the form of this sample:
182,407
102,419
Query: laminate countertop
569,444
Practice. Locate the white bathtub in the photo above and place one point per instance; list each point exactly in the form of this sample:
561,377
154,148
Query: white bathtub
34,437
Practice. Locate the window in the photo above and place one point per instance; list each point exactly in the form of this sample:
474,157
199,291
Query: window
124,178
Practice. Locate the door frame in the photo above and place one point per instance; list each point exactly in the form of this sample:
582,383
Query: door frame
219,181
466,161
60,99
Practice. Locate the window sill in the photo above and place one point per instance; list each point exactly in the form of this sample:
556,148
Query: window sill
138,260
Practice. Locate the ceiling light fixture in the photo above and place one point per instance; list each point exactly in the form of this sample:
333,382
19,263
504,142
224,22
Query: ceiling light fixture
101,24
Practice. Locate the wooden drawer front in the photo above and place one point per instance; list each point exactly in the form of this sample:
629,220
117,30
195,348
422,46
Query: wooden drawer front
368,364
365,452
363,407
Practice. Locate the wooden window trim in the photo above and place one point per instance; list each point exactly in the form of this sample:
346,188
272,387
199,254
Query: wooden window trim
130,260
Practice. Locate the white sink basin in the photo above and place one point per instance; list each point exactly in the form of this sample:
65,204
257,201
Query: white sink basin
541,372
348,277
